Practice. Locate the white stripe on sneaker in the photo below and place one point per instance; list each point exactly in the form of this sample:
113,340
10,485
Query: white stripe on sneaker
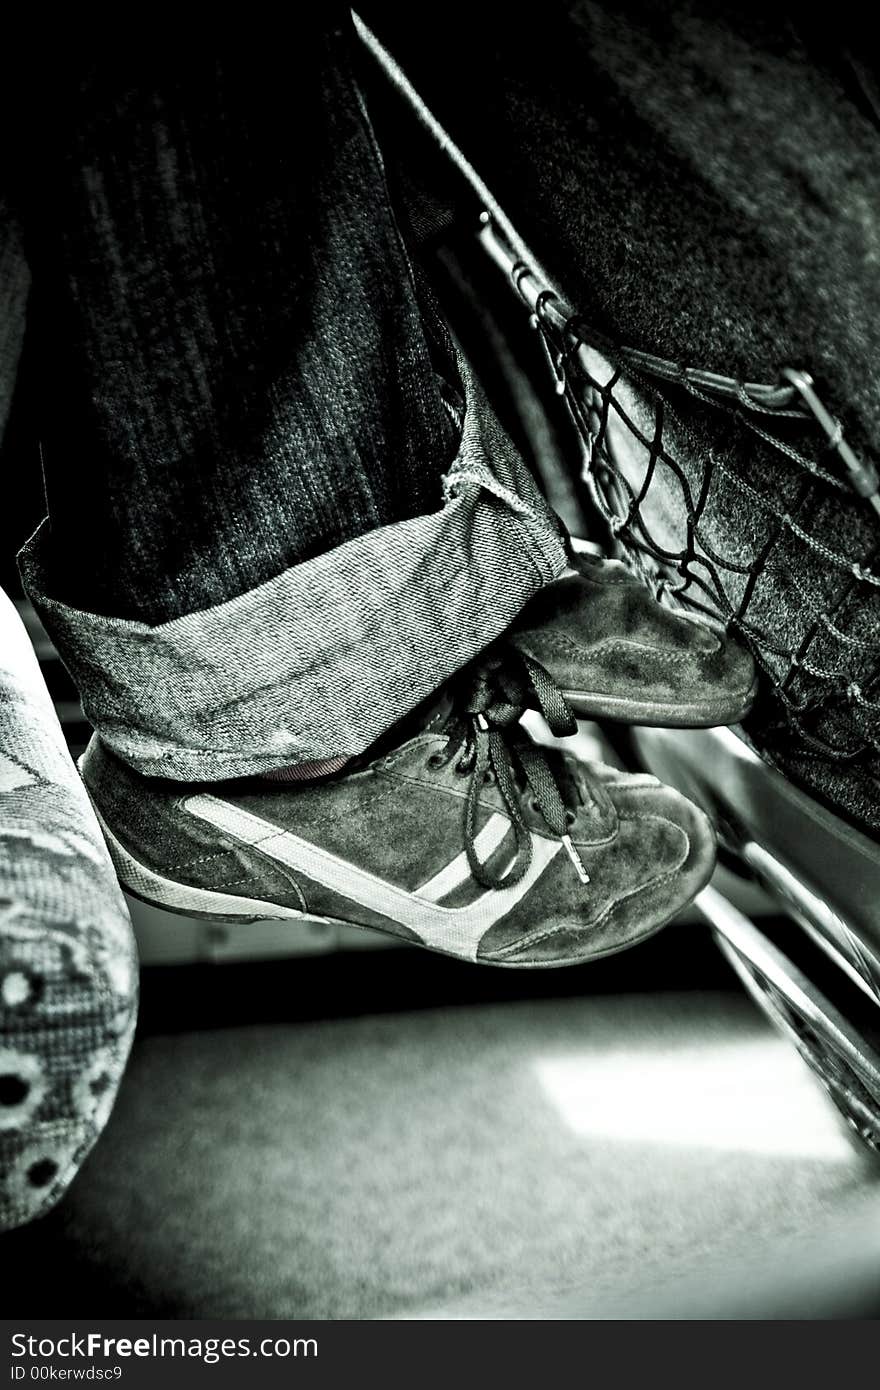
458,870
456,931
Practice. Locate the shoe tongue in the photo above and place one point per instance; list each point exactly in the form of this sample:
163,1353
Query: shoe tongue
431,716
438,712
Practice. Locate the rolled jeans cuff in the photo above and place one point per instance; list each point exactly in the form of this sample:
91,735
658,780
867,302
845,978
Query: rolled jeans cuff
322,659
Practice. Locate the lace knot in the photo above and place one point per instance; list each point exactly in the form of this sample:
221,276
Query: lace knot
503,685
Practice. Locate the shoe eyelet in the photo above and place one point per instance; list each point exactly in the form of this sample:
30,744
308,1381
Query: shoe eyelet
488,778
534,805
436,760
461,769
570,818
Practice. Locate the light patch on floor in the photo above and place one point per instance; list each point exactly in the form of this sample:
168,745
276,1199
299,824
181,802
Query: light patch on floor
746,1096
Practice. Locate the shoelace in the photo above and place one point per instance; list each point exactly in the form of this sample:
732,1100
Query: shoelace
481,732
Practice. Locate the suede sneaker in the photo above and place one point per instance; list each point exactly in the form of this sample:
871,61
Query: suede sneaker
456,832
616,653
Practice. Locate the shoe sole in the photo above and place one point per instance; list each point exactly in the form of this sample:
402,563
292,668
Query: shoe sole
620,709
206,904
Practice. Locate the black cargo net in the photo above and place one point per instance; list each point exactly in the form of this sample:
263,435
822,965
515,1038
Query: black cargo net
740,500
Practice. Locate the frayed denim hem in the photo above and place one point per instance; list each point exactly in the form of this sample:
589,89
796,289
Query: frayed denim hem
322,659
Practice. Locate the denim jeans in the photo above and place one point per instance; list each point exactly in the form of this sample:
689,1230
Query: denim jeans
280,511
701,181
